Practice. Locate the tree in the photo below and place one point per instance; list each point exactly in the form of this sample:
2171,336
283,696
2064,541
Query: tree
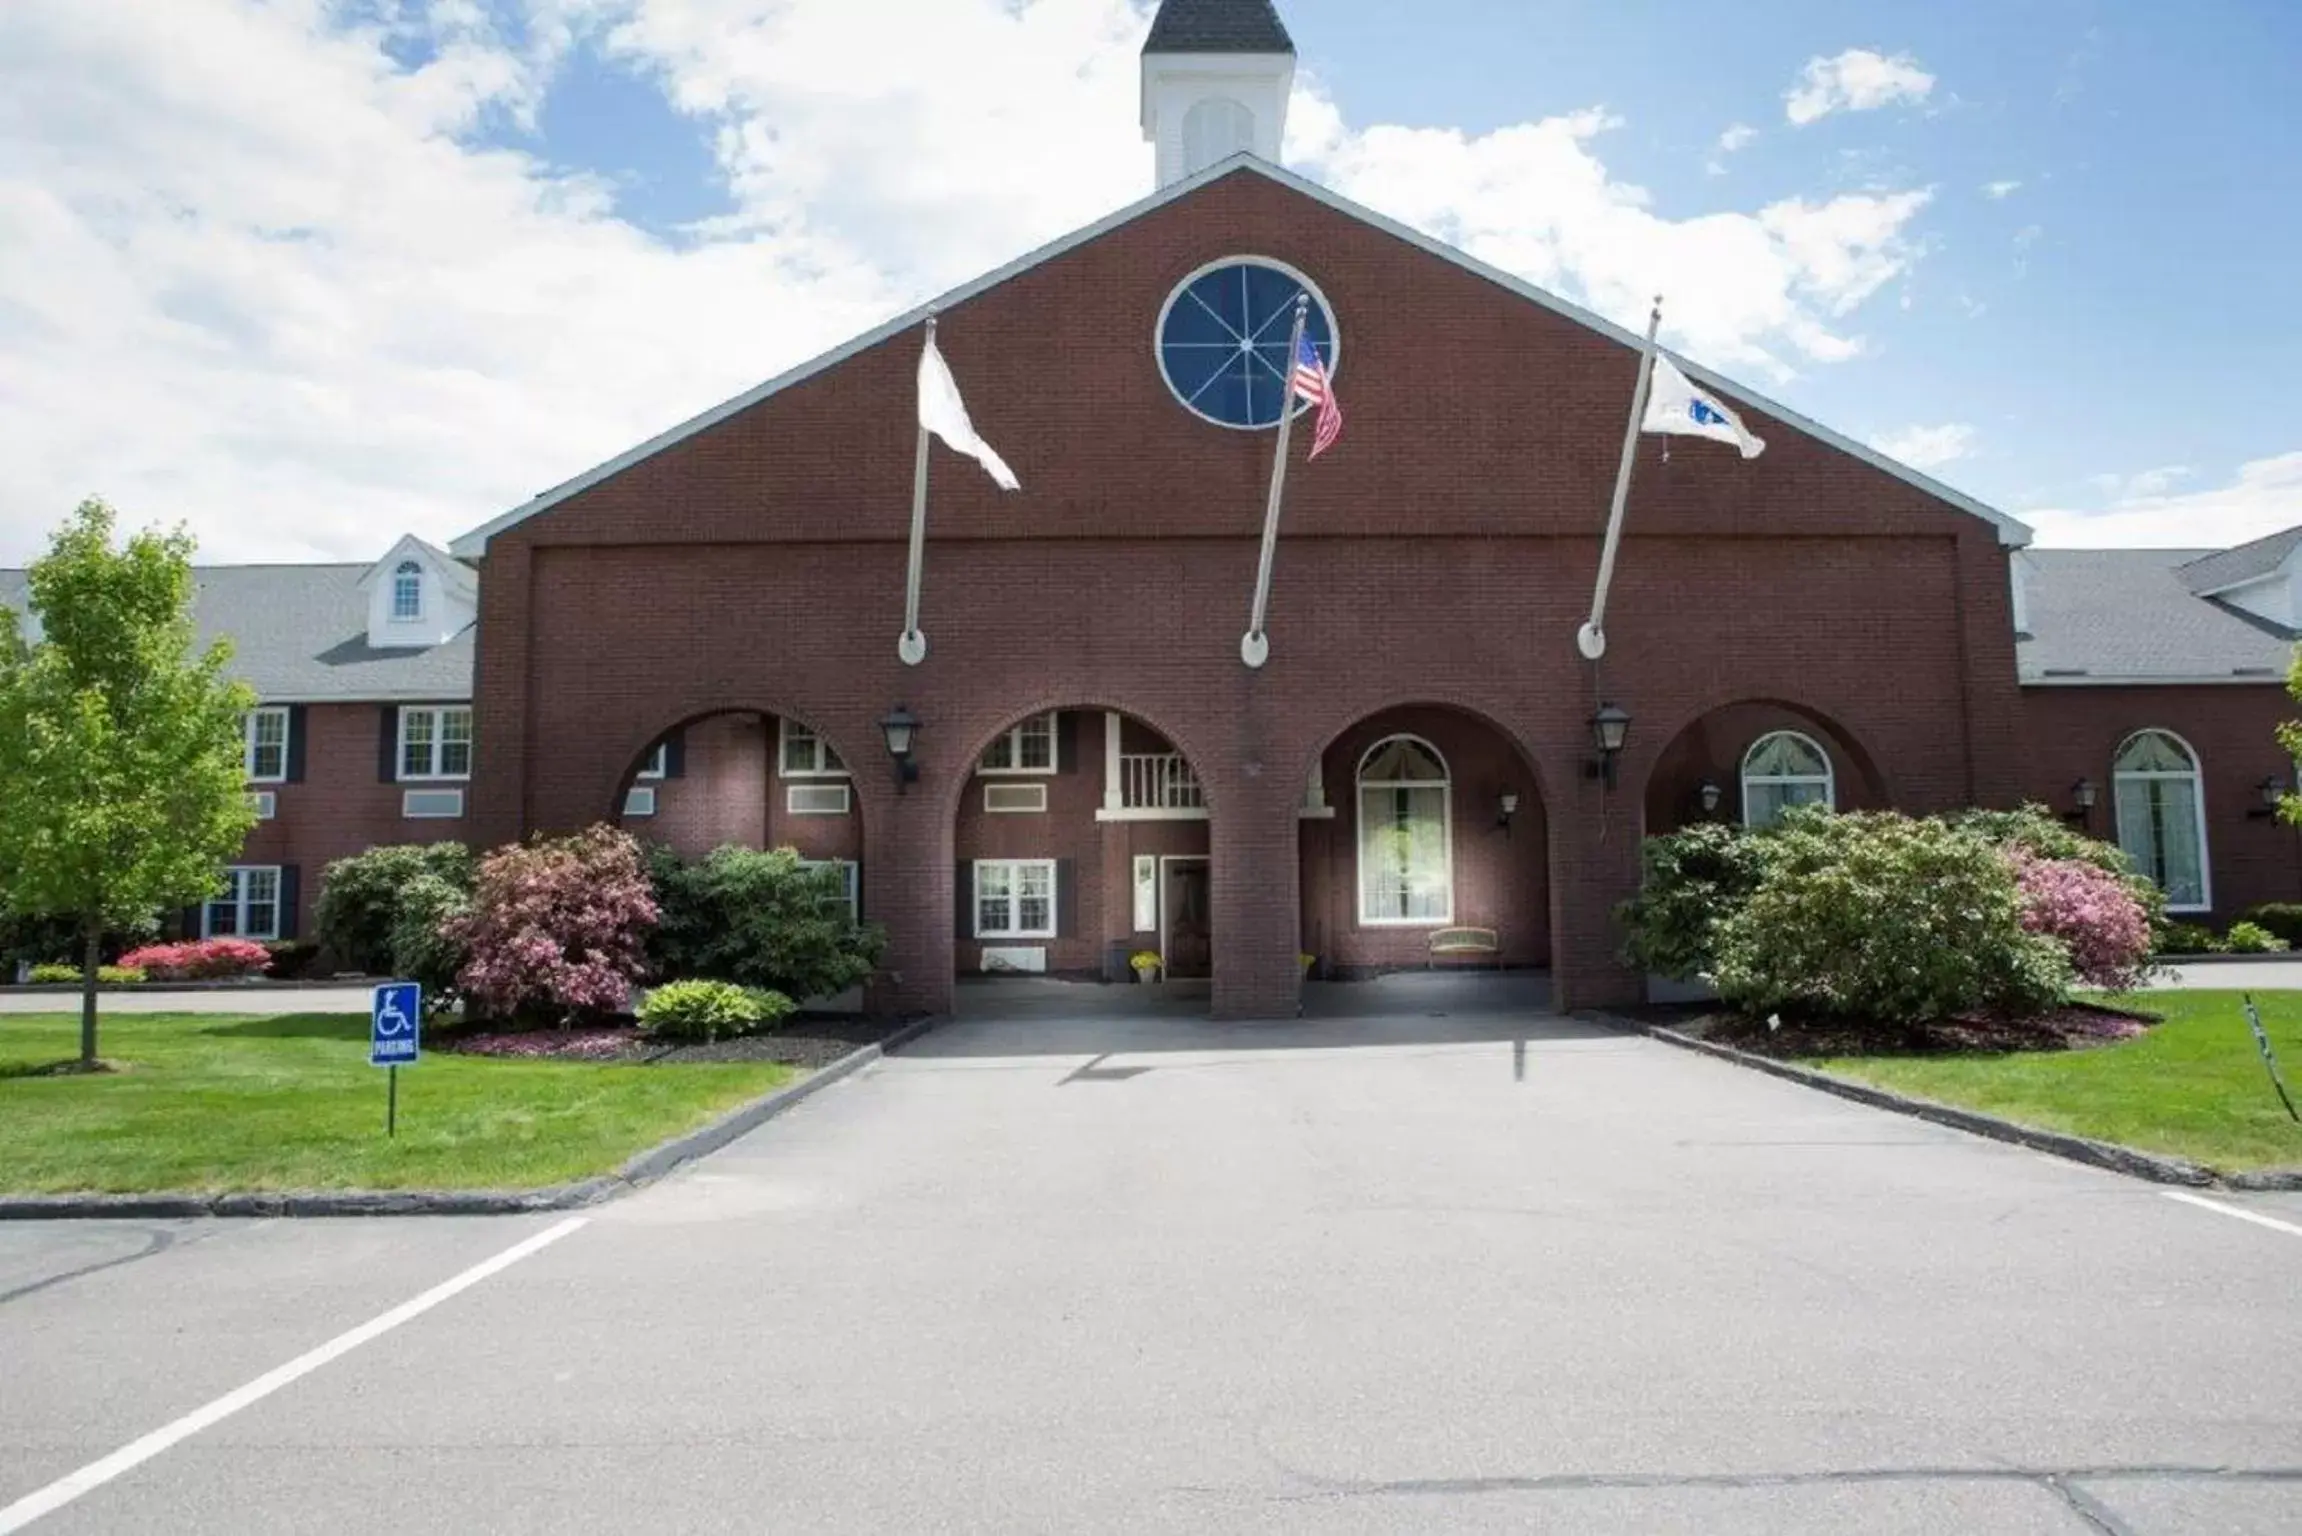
2290,741
120,748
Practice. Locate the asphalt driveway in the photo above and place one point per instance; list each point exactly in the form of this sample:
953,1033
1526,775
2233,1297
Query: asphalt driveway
1489,1271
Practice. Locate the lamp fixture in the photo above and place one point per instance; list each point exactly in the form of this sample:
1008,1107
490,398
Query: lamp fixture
1610,728
2082,796
899,725
1710,794
2273,793
1507,807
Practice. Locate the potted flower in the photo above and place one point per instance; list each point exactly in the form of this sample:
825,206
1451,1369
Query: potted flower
1308,962
1147,964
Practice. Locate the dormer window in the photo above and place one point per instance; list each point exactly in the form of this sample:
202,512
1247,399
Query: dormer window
407,592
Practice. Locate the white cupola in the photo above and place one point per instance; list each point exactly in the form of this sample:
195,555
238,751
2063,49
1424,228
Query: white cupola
1216,77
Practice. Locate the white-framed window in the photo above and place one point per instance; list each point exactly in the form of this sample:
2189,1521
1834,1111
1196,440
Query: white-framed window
805,755
436,741
1014,799
431,804
850,872
658,761
1783,769
1028,748
407,592
247,908
1015,898
816,799
1146,893
1406,835
2162,816
264,744
639,800
264,803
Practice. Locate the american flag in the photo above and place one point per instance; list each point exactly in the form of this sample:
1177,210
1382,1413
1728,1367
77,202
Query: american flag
1312,384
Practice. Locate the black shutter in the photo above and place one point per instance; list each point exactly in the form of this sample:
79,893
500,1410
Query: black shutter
388,746
291,896
295,772
189,920
1067,742
675,755
1066,898
858,868
964,887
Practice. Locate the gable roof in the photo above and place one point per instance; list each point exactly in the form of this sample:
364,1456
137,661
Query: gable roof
458,577
299,635
2130,616
1218,26
2226,568
473,545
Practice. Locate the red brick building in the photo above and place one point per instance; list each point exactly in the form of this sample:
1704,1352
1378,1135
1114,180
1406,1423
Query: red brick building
700,636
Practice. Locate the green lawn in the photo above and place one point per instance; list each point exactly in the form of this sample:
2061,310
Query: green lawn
216,1102
2194,1086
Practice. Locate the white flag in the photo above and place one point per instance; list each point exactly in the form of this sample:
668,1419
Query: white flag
1674,404
943,413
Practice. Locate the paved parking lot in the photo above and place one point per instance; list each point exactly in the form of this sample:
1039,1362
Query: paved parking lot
1477,1270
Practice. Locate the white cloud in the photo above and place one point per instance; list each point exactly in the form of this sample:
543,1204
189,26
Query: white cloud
2142,513
1857,80
1927,447
1997,191
1737,137
259,278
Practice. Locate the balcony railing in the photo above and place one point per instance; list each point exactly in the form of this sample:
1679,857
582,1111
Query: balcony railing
1158,781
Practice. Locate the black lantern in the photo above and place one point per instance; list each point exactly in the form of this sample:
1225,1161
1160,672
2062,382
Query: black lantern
1610,728
899,725
2082,796
2272,790
1507,807
1710,795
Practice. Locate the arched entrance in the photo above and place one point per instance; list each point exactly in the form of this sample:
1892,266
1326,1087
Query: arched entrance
1082,842
1747,761
1424,846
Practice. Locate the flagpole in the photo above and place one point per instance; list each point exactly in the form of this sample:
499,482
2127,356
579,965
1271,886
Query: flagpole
912,645
1255,646
1591,639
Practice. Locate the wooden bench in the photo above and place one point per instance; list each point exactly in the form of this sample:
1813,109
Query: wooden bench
1449,943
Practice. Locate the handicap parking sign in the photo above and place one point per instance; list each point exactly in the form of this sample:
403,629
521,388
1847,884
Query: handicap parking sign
394,1023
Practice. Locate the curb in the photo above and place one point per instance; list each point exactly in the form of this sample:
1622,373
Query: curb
636,1172
2157,1168
2266,957
257,984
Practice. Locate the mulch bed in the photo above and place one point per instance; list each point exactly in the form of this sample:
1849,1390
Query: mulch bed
806,1041
2077,1027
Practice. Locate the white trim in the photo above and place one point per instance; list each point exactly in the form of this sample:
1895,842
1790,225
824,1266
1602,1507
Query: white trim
1166,859
2196,774
265,803
474,544
236,897
639,800
854,872
1828,778
1031,799
439,712
783,730
248,742
2266,676
413,568
797,798
1113,799
657,763
1318,297
444,804
1446,788
1013,736
1144,893
1014,900
1153,813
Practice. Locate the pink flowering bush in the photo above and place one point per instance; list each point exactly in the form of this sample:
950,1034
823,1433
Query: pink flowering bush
2091,912
556,928
199,960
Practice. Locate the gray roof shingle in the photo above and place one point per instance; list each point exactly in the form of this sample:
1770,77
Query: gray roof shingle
2218,570
2131,614
1218,26
299,635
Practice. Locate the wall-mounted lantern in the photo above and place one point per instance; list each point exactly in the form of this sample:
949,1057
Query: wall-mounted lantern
1507,806
899,725
1710,794
2273,792
1610,728
2082,797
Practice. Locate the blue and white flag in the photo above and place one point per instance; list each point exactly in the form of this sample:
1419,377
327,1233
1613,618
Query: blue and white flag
1676,405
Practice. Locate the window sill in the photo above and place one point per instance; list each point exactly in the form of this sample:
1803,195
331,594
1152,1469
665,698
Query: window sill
1151,813
1011,938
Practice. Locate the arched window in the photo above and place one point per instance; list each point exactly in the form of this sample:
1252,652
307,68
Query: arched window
2162,816
1783,769
1406,841
1215,129
408,591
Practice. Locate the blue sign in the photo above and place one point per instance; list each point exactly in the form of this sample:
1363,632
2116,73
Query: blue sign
393,1024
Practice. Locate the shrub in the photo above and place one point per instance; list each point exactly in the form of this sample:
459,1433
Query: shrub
106,975
1690,881
706,1010
556,927
1880,918
2038,833
360,896
425,949
2283,918
2092,912
2251,939
759,920
199,960
2187,939
291,958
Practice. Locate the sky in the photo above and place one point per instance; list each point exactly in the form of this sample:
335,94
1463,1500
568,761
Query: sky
307,274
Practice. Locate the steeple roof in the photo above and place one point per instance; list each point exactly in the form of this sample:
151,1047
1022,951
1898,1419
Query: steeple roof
1218,26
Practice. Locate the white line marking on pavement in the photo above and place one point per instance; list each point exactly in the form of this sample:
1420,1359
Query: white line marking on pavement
97,1473
2171,1194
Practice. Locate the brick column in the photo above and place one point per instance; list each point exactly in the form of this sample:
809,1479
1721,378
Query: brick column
1594,867
907,889
500,682
1256,899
